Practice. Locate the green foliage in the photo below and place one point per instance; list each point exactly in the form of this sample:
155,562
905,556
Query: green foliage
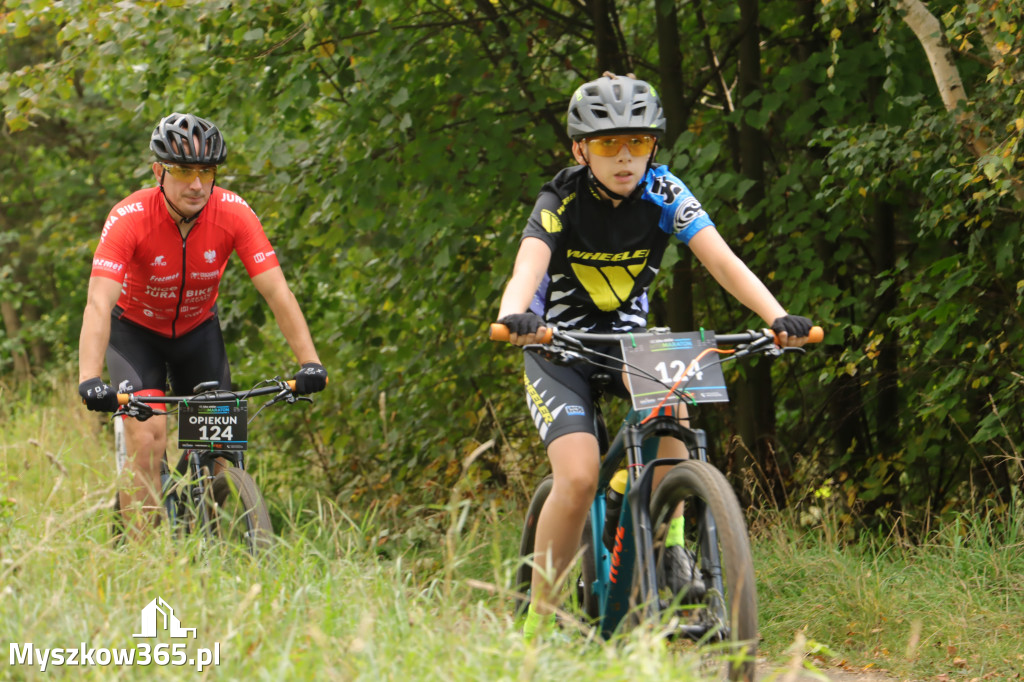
392,150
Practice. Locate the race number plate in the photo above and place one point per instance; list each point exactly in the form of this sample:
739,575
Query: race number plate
213,425
667,356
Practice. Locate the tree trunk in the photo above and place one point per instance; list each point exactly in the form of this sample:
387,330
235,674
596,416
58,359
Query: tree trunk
22,370
888,404
680,316
754,400
670,69
947,77
609,52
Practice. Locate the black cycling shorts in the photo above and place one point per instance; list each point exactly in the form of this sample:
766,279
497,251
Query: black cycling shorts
139,359
560,397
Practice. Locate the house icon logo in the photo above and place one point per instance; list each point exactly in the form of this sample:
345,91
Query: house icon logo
158,611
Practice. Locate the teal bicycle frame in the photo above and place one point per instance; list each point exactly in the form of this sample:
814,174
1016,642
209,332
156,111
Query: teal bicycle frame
637,441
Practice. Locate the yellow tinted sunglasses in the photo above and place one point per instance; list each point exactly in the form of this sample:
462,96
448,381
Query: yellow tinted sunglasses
609,145
205,174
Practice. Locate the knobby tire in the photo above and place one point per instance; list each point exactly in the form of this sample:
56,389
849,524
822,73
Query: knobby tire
238,512
581,577
704,490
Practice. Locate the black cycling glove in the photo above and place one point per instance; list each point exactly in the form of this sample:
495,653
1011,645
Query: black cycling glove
794,325
312,378
98,396
522,324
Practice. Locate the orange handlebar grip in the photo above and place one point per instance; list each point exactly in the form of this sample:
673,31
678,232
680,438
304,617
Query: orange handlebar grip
122,398
816,335
499,332
291,384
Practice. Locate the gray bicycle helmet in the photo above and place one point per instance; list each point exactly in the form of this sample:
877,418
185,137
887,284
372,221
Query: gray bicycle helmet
615,105
173,139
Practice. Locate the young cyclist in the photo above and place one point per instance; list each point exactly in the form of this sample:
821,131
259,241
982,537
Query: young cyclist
151,308
591,248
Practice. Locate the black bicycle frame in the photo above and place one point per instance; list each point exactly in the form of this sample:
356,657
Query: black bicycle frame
196,461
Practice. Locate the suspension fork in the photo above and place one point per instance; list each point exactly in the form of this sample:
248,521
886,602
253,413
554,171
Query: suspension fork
199,462
641,450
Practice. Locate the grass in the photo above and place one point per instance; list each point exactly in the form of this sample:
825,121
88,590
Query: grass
329,603
948,608
350,594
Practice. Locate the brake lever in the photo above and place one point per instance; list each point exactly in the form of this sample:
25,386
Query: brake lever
138,411
570,342
288,396
558,355
763,345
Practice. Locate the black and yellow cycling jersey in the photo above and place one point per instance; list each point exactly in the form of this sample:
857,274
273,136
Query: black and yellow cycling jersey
604,257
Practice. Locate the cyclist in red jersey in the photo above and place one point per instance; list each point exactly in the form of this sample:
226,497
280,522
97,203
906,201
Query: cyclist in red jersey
151,309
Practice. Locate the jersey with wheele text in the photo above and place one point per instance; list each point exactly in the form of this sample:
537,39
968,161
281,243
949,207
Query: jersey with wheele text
604,257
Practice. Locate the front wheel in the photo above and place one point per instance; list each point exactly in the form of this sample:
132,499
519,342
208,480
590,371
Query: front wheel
581,577
723,595
238,513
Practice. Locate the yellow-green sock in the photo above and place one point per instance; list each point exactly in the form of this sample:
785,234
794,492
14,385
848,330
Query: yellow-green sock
675,532
536,622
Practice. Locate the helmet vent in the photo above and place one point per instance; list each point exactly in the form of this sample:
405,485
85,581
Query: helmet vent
184,138
612,105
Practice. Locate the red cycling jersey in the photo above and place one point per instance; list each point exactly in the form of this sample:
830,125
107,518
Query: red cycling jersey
169,283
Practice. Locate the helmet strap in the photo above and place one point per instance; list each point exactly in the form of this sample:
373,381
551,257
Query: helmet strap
184,220
600,185
650,157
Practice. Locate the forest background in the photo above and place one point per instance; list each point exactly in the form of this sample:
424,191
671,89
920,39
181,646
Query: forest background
864,158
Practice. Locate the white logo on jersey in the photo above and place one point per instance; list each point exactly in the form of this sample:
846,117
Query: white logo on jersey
104,264
210,256
688,211
159,262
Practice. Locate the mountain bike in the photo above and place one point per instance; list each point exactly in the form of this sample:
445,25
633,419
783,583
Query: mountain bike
209,492
624,577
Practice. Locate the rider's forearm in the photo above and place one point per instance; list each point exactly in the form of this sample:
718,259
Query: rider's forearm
293,326
527,273
734,275
92,343
517,296
746,288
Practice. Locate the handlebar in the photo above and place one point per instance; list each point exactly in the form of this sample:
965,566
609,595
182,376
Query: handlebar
499,332
208,396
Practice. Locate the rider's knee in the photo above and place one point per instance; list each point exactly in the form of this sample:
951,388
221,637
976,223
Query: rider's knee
576,487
